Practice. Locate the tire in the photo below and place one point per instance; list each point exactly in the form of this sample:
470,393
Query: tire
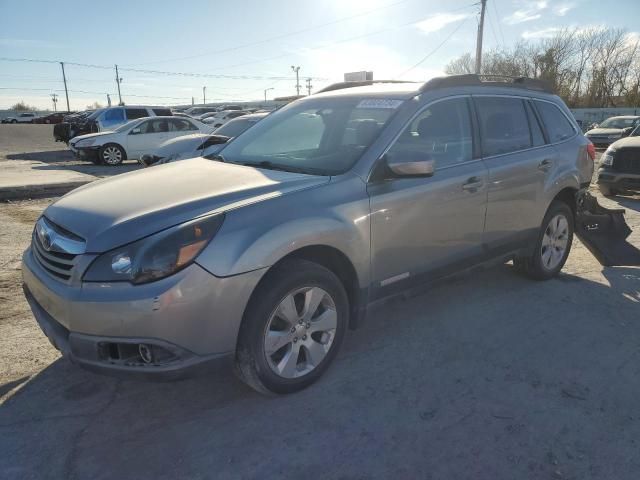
547,260
14,121
112,154
278,310
606,190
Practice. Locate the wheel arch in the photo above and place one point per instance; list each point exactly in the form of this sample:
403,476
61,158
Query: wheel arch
339,264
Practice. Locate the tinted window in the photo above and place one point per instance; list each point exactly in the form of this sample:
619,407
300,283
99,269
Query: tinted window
504,126
154,126
162,112
180,125
133,113
537,137
443,131
114,115
557,125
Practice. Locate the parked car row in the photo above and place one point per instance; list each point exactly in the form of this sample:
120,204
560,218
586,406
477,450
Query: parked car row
620,165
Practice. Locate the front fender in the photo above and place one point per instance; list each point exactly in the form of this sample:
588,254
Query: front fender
259,235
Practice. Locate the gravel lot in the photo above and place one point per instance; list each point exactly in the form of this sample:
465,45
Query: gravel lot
487,376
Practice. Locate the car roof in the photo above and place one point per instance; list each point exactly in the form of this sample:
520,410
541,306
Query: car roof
625,117
402,91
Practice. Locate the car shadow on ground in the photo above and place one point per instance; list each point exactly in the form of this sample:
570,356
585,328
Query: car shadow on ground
487,374
65,160
51,156
631,201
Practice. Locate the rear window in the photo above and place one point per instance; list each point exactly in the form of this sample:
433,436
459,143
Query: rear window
558,127
133,113
162,112
504,125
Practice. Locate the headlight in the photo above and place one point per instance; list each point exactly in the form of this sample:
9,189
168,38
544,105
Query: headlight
156,256
85,143
607,158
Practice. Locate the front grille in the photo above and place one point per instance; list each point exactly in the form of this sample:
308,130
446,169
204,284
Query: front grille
627,161
58,264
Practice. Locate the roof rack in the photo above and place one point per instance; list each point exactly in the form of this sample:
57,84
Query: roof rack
487,80
359,83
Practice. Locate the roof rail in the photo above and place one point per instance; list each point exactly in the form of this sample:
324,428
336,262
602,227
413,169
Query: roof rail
487,80
359,83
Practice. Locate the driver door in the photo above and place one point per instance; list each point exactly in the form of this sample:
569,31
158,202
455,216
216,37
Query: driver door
147,136
425,227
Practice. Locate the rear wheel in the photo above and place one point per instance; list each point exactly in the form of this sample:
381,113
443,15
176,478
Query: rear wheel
292,329
552,245
112,154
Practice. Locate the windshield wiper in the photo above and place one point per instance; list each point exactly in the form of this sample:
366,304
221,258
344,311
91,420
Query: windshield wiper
274,166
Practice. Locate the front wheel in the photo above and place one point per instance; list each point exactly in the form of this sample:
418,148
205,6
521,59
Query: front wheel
552,245
14,121
112,154
292,328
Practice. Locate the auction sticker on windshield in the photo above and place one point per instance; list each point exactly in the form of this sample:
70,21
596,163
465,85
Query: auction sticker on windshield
379,103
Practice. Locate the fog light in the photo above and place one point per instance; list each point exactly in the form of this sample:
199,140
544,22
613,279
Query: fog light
145,352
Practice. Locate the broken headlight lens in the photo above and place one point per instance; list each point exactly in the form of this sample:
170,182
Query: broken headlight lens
156,256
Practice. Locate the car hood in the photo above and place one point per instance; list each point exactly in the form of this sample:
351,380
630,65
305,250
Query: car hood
90,135
186,143
626,143
604,131
115,211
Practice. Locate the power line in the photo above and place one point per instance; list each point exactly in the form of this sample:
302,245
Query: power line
495,11
423,59
493,32
276,37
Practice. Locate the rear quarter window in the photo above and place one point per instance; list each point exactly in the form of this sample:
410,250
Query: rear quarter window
558,126
133,113
162,112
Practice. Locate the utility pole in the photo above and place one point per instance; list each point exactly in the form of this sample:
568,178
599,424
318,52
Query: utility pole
54,97
297,70
118,80
265,92
479,39
193,101
308,86
204,95
108,99
66,92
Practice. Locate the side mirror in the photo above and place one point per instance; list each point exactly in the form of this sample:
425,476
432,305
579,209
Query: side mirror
411,165
135,131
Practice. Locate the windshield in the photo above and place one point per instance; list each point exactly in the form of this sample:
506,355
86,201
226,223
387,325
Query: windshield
126,126
324,136
618,122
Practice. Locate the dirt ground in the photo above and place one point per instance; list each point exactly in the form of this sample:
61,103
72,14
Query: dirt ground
489,376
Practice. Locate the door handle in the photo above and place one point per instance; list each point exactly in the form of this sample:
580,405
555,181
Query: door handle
545,165
472,184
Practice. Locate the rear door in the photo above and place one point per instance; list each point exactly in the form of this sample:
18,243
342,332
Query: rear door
514,151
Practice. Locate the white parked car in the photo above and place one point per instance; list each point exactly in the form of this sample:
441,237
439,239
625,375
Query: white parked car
200,145
133,139
21,118
223,117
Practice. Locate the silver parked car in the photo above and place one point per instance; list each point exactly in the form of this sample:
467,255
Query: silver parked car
267,256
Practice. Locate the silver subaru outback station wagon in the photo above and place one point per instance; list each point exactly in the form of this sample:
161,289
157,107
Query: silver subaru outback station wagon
265,255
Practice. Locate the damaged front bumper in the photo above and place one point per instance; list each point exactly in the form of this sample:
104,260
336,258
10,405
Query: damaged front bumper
604,232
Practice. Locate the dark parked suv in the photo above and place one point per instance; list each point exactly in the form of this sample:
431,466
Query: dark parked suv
267,253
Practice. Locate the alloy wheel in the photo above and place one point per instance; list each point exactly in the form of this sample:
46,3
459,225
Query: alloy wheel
555,242
300,332
112,155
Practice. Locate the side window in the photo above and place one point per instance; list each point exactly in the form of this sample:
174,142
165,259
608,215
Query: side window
114,115
133,113
154,126
162,112
504,127
536,132
443,131
180,125
557,125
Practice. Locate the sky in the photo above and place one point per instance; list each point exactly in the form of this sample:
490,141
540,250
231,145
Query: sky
241,48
